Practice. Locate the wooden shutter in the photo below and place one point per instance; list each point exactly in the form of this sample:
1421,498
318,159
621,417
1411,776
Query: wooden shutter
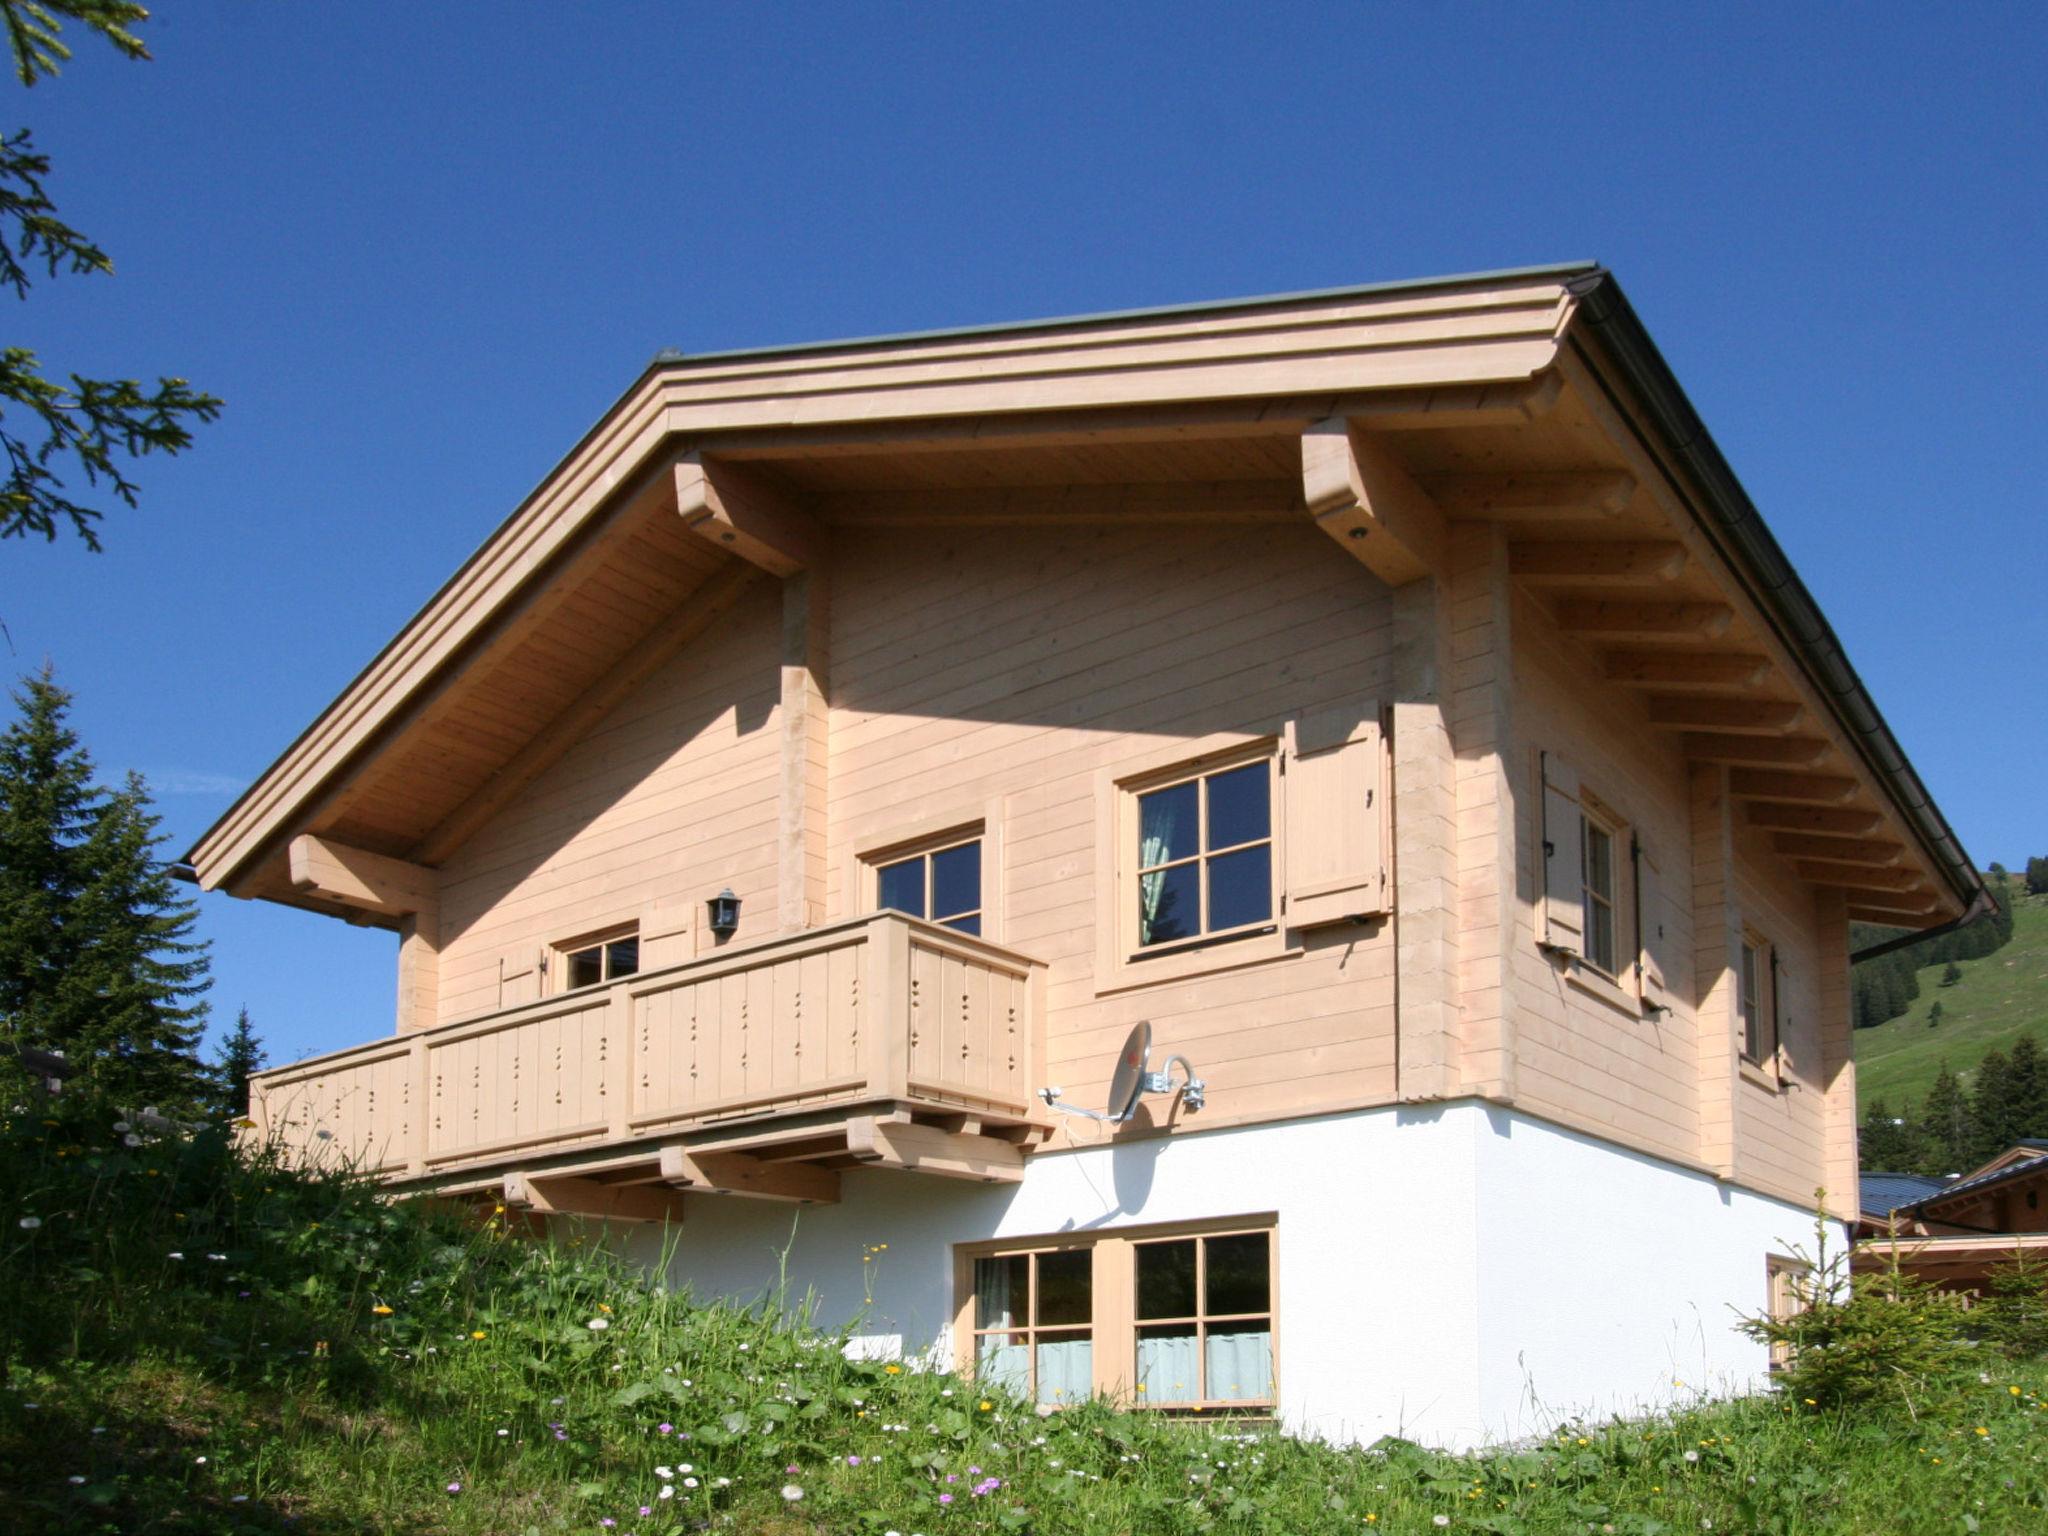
1655,943
518,980
1564,857
1332,775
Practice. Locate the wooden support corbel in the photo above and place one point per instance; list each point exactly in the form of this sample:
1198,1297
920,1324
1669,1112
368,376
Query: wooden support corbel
563,1195
1360,494
928,1149
355,877
737,509
738,1173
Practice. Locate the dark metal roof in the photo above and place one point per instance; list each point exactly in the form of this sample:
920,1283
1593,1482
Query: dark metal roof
1884,1193
1982,1182
668,357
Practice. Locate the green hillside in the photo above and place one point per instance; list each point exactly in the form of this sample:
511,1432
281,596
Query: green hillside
2000,998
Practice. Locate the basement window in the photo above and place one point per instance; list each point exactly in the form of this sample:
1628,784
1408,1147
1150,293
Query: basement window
592,962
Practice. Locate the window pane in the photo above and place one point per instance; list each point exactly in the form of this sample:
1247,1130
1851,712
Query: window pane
1004,1360
1238,806
1239,1362
1169,904
1599,861
586,968
1241,887
622,957
1167,1364
956,880
1002,1291
1600,935
1167,826
1238,1274
966,924
900,887
1166,1279
1066,1368
1064,1288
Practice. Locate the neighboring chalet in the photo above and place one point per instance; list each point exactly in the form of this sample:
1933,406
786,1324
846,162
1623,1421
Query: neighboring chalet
1956,1231
1388,694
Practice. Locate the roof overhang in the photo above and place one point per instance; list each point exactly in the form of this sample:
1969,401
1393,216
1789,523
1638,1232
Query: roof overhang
713,470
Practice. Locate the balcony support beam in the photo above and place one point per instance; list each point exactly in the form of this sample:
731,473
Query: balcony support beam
563,1195
738,1173
927,1149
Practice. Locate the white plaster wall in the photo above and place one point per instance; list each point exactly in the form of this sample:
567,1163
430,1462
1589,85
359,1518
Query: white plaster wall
1612,1280
1438,1263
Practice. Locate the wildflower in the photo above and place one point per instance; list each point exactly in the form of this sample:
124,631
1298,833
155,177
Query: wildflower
455,1487
664,1429
892,1370
853,1461
1692,1455
666,1492
791,1493
2015,1391
477,1334
664,1473
646,1510
986,1405
174,1255
503,1433
597,1324
30,1223
945,1498
1982,1430
691,1482
607,1522
74,1479
131,1140
381,1310
1439,1520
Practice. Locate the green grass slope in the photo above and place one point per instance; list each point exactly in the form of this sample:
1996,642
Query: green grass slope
2000,998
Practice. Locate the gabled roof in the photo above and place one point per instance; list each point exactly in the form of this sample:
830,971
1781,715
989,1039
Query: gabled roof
1980,1183
1883,1193
595,577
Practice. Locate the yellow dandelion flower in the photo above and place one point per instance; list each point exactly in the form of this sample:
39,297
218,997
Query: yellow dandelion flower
986,1405
1982,1430
381,1310
477,1334
2015,1391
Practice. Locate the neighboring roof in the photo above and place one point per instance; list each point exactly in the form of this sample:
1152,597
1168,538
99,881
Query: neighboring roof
1980,1183
1884,1193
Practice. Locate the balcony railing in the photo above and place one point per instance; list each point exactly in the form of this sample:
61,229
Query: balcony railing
881,1012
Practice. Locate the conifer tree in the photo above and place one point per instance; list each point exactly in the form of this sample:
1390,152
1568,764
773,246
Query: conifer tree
1886,1141
1950,975
1934,1016
240,1054
1994,1121
1945,1128
97,956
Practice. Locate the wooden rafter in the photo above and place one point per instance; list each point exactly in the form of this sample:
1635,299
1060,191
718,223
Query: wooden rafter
1793,788
738,509
1839,850
1693,669
1822,821
1762,751
1622,620
928,1149
1605,563
547,1194
1534,497
1899,911
740,1173
1760,717
1851,877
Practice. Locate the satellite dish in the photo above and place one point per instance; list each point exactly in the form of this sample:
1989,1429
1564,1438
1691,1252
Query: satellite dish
1133,1077
1128,1080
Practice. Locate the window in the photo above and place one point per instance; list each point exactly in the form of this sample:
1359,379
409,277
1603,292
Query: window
1205,1320
941,884
1789,1283
1173,1318
591,962
1756,1001
1204,855
1034,1316
1599,892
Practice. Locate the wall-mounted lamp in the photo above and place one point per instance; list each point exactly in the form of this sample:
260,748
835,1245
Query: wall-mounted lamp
725,913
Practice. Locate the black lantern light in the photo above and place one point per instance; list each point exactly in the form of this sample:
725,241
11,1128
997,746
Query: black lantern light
725,913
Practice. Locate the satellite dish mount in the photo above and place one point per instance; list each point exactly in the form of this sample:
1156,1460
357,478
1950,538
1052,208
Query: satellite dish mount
1134,1078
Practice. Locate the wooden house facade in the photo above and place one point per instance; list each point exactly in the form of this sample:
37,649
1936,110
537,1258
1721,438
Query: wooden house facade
1387,695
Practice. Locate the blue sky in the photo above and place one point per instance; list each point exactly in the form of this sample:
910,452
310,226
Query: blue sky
419,249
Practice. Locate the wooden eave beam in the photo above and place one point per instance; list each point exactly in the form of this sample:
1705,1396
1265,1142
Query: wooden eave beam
357,878
741,1173
736,508
1852,878
1359,493
928,1149
1601,563
1224,501
1758,717
1820,821
547,1194
1534,496
1761,751
1897,911
1692,669
1622,620
1791,788
1839,850
697,613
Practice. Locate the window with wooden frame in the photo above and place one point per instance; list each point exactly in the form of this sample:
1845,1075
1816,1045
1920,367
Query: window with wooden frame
1757,999
939,881
1203,857
1787,1294
1178,1318
592,961
1593,887
1598,888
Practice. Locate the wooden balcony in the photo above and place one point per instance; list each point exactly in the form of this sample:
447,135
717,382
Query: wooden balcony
760,1070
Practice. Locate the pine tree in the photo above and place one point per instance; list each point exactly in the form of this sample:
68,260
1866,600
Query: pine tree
97,957
1993,1120
2026,1090
1945,1128
2037,877
1950,975
1934,1015
240,1054
1886,1141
